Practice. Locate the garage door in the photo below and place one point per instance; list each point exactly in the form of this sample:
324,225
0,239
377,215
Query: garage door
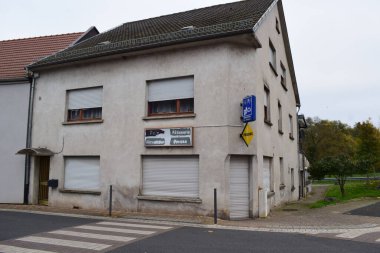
173,176
239,188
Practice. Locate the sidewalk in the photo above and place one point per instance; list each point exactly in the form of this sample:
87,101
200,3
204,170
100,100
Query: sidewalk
296,215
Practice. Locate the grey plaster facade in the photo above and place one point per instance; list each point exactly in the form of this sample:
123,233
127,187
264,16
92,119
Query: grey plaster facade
14,98
224,70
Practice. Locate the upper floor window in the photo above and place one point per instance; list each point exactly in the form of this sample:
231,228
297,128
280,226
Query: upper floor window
272,57
277,26
84,104
283,75
266,105
291,130
171,96
279,117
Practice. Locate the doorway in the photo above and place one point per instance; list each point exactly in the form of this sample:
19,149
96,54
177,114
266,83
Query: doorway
43,189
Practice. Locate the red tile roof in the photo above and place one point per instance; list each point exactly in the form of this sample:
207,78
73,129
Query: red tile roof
18,53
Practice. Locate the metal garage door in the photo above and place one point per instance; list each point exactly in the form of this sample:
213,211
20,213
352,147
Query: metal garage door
174,176
239,188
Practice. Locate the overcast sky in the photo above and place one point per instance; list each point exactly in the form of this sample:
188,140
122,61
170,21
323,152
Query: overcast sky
334,43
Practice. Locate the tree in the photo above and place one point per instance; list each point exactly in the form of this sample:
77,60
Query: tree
368,150
325,138
340,166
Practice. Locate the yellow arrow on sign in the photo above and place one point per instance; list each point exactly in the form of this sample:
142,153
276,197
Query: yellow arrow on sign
247,134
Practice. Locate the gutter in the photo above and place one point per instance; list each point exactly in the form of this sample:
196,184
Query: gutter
32,80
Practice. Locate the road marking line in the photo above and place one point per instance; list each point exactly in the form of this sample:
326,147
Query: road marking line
13,249
67,243
132,225
119,230
357,233
94,236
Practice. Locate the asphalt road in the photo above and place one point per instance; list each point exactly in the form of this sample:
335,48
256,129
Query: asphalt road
184,239
218,241
371,210
17,224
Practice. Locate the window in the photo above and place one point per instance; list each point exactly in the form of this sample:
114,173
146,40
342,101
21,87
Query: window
267,174
171,176
283,76
277,26
291,131
280,118
272,57
84,104
292,179
82,173
171,96
282,173
266,105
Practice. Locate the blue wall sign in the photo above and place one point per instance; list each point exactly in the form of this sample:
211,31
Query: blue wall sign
249,109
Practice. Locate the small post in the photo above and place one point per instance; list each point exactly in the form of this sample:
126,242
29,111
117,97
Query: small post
110,205
215,207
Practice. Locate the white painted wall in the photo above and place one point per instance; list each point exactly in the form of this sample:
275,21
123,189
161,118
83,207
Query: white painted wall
14,99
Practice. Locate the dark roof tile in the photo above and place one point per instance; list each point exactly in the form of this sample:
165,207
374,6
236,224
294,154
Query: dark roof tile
210,22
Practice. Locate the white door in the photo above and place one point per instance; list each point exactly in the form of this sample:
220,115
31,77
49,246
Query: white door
239,187
174,176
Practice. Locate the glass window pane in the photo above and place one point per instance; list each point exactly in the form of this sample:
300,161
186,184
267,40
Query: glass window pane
169,106
74,115
186,105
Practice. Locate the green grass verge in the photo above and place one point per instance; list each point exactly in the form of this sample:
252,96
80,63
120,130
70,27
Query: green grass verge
354,190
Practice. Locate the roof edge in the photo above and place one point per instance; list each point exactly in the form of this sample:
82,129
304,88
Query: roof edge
288,51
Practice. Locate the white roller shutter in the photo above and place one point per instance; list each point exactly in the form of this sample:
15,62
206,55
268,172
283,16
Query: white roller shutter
85,98
173,176
266,174
82,173
169,89
239,188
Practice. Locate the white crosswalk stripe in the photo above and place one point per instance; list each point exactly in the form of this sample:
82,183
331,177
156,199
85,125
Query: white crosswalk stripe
357,233
121,224
94,236
119,230
13,249
67,243
101,236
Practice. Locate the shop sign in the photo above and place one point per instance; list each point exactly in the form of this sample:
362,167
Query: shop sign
249,109
247,134
169,137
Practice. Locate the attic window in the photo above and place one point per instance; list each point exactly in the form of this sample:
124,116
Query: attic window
277,26
190,27
104,43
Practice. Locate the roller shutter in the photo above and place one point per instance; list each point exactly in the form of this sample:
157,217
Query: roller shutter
267,174
239,188
173,176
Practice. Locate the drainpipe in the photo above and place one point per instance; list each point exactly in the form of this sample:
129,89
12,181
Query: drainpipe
28,161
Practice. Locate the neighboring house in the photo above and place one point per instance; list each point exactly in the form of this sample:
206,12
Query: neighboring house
153,108
14,101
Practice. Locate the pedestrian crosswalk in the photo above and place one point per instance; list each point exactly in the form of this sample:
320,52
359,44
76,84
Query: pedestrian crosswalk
95,237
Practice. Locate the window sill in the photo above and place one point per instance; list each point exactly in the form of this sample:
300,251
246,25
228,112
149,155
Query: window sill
273,69
170,199
268,122
176,116
281,132
80,191
98,121
270,194
282,186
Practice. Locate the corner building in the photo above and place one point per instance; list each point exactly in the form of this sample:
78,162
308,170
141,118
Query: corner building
153,108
